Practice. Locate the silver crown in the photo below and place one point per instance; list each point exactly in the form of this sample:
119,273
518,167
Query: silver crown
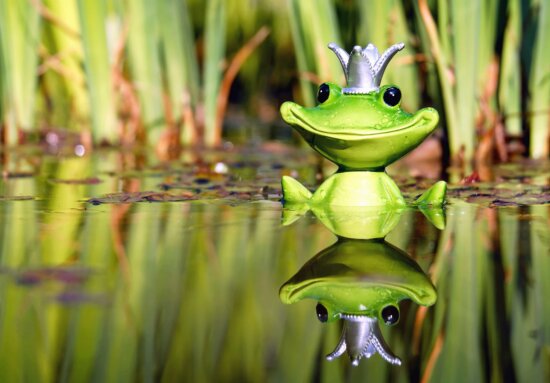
361,337
364,68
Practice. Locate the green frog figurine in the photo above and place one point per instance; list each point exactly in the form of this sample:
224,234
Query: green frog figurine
362,129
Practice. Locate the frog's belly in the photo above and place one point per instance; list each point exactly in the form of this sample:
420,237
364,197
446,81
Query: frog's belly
359,188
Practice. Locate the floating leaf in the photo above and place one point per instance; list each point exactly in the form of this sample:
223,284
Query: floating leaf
148,196
17,198
84,181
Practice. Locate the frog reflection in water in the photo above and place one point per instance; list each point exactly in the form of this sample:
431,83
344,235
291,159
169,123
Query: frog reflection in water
362,129
362,282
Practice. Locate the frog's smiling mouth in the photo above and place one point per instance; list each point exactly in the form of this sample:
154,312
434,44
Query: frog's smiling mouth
353,147
291,114
292,293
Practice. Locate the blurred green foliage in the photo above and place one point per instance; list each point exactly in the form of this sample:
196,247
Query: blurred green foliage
120,70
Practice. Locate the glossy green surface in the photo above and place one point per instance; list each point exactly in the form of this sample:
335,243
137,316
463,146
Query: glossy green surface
352,189
360,132
359,277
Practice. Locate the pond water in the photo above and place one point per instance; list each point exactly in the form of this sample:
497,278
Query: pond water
117,267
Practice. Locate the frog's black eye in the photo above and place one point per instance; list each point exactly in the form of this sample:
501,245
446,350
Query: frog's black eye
390,315
392,96
322,312
323,93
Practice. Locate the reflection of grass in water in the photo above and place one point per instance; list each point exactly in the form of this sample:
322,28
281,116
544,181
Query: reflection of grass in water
199,298
481,312
459,297
18,239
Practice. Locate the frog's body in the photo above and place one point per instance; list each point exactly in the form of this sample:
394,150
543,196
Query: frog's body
362,129
357,188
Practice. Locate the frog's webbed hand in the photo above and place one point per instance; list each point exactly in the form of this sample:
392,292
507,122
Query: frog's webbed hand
434,196
294,192
361,337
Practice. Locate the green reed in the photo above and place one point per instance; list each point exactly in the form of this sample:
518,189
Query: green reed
19,39
116,69
314,60
62,57
385,24
92,17
539,84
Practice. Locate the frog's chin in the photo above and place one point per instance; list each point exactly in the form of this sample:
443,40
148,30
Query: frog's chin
363,148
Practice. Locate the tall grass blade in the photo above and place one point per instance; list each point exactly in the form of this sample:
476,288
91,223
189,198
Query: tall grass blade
319,34
180,62
316,63
214,50
442,61
384,24
306,87
510,77
539,85
66,46
466,22
19,34
93,16
143,37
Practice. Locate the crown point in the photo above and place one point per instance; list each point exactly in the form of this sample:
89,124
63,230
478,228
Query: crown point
364,67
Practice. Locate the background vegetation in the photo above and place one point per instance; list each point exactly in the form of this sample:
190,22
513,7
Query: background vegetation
121,71
157,291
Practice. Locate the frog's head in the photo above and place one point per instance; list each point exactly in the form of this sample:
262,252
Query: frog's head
362,126
361,282
360,277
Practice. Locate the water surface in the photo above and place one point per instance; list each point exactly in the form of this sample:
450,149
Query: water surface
119,267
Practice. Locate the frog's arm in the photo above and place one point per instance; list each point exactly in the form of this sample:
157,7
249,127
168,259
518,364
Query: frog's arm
434,196
294,192
430,203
